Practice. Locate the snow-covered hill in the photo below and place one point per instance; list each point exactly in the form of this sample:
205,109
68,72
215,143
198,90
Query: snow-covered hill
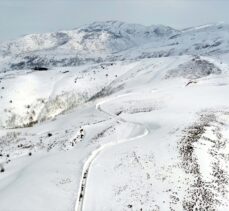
112,40
115,116
88,43
98,37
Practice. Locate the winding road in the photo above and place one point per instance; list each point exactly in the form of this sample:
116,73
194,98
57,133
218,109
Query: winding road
86,168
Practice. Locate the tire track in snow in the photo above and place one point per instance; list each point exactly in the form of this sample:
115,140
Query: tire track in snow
95,153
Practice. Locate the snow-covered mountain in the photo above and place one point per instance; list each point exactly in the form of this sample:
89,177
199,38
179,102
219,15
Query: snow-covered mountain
98,37
112,40
115,116
92,42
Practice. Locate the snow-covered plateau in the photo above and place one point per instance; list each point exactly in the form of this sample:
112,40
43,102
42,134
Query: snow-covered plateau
115,116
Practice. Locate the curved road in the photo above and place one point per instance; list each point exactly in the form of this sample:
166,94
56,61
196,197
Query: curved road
95,153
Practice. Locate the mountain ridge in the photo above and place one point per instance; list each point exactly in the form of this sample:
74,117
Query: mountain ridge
112,40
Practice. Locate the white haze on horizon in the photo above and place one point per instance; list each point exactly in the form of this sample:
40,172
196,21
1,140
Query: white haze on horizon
19,17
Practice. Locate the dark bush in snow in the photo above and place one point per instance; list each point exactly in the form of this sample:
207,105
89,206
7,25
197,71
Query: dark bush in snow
40,68
2,168
49,134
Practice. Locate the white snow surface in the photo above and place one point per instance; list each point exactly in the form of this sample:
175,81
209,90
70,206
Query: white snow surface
126,117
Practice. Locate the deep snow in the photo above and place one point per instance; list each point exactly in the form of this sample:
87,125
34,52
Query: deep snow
153,110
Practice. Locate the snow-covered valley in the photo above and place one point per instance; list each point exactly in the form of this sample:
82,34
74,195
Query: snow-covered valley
115,116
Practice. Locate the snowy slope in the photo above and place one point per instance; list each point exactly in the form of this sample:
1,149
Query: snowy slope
110,36
111,41
138,120
87,43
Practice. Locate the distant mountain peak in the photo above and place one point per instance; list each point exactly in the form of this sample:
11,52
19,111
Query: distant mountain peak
108,36
113,40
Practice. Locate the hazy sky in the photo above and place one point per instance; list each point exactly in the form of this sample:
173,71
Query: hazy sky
19,17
